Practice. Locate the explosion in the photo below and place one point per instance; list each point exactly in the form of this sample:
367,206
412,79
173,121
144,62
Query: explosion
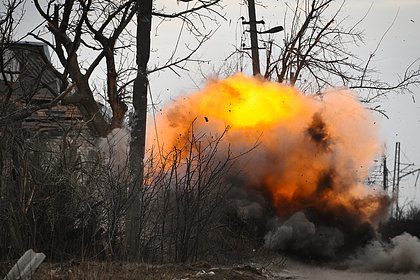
312,153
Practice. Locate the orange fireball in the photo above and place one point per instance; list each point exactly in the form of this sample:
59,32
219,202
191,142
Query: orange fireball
312,153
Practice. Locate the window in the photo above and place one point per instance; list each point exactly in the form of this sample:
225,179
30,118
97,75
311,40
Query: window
11,67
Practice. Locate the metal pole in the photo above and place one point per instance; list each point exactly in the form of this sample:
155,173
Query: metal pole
397,186
385,174
396,178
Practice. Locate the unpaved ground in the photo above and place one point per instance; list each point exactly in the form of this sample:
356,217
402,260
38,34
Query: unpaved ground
303,271
273,269
144,271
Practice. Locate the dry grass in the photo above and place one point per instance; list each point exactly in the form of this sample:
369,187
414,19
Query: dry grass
128,271
257,264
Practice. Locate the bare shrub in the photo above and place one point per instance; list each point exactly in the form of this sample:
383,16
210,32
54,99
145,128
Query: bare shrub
185,199
58,196
68,199
408,221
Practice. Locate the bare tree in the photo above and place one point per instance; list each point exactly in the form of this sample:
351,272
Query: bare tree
104,29
95,27
10,16
184,201
9,20
316,53
138,132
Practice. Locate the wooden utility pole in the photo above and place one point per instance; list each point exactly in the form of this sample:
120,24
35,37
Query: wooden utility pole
254,38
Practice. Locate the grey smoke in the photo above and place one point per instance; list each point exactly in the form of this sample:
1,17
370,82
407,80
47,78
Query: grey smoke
295,230
300,236
247,204
247,210
114,148
401,254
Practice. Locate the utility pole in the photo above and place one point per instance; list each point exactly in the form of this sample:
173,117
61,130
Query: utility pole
400,173
254,37
385,174
396,177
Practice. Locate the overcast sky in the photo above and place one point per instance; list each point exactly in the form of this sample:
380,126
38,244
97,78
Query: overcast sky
399,48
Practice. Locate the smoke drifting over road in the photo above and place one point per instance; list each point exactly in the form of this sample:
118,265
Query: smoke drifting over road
303,178
401,254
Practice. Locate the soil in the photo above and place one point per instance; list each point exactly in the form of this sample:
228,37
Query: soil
270,268
145,271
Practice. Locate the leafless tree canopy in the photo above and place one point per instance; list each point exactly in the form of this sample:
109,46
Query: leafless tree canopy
316,53
59,194
94,35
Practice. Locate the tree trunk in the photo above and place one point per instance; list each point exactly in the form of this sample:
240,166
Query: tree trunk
138,129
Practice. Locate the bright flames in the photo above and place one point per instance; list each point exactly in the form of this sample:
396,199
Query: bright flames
247,103
312,153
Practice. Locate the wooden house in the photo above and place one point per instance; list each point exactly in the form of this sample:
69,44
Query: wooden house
29,80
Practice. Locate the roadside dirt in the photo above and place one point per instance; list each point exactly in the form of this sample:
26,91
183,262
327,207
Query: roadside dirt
161,272
278,268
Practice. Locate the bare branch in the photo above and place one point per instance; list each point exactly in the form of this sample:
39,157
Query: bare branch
205,4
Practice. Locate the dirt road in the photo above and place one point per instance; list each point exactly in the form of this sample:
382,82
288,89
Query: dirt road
296,270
